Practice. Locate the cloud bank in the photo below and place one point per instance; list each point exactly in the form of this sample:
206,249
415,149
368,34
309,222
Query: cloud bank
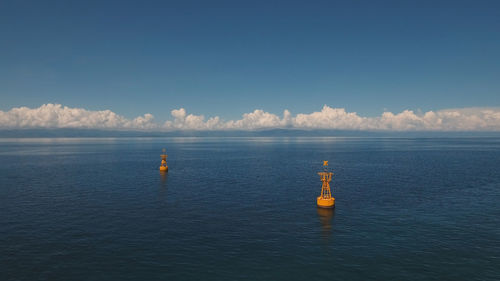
58,116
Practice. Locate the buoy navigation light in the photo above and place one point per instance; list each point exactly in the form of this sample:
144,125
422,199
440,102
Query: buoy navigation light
325,200
163,165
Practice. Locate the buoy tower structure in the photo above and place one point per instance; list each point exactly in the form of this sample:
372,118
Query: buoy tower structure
325,200
163,165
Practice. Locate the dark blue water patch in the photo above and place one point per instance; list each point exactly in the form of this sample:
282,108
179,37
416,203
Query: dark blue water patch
244,209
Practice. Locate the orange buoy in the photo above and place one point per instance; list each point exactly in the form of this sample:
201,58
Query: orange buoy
163,165
325,200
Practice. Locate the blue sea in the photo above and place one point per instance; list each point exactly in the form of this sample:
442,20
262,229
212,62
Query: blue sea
245,209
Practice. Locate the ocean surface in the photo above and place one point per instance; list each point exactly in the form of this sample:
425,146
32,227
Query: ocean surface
245,209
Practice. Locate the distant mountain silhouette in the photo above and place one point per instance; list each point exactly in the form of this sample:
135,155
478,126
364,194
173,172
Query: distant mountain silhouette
56,133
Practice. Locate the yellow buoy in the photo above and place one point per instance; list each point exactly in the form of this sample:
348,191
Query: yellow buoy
163,165
325,200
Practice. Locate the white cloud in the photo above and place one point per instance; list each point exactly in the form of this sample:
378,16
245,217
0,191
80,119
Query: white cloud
331,118
58,116
464,119
259,119
182,121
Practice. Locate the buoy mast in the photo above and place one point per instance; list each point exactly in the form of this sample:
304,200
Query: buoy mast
325,200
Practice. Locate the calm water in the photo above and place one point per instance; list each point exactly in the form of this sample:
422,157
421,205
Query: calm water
244,209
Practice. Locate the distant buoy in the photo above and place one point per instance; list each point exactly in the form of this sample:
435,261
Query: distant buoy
163,165
325,200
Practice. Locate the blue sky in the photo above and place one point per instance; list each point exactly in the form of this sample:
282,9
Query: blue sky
227,58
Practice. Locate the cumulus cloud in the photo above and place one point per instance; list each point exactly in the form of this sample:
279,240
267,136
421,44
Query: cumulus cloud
260,119
464,119
58,116
182,121
331,118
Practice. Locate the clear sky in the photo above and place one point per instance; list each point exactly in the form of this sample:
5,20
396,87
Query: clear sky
227,58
